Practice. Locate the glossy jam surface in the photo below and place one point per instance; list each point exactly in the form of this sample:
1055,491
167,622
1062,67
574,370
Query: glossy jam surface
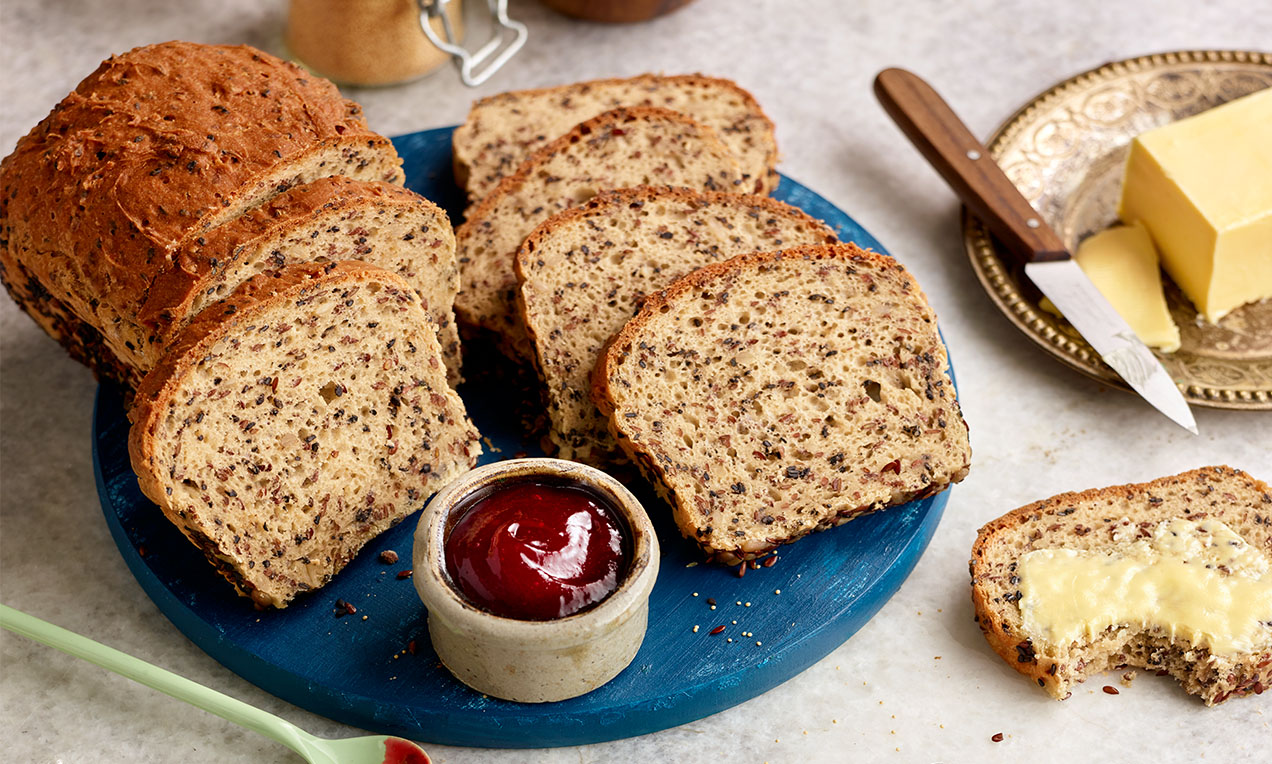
536,551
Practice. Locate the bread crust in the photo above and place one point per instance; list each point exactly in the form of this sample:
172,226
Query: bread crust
1000,622
151,150
468,151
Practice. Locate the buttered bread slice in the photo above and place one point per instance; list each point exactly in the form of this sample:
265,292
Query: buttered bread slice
584,272
295,421
503,130
780,393
1170,576
625,147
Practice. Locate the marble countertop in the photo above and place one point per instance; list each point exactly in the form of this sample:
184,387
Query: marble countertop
918,683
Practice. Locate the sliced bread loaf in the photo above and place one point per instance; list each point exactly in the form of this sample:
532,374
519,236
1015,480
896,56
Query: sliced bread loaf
584,272
328,220
503,130
620,148
780,393
296,420
1134,524
151,151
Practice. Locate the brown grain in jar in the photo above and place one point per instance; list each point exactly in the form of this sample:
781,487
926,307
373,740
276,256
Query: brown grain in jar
366,42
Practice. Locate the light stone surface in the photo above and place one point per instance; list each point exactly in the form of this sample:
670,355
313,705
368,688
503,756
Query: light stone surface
918,683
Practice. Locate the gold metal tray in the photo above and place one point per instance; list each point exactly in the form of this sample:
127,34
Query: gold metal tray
1065,150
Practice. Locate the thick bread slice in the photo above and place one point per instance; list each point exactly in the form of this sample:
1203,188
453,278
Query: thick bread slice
625,147
781,393
1108,520
503,130
329,220
152,150
295,421
584,272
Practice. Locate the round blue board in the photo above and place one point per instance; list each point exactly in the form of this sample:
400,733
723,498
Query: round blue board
358,669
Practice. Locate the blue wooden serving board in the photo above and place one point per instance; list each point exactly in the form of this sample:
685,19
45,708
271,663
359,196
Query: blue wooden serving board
358,668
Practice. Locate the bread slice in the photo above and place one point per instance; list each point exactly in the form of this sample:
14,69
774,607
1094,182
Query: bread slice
1109,520
295,421
620,148
155,148
780,393
503,130
584,272
328,220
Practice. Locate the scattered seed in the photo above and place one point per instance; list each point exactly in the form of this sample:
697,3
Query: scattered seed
1110,690
998,737
719,629
730,639
777,591
403,574
770,561
695,628
741,569
748,604
410,647
711,601
695,594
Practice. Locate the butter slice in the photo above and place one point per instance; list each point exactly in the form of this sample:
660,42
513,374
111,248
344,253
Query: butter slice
1122,263
1197,581
1203,188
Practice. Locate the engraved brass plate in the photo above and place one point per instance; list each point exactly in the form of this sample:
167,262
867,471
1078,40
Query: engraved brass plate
1065,151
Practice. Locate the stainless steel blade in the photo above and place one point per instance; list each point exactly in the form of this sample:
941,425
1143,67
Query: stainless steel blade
1100,325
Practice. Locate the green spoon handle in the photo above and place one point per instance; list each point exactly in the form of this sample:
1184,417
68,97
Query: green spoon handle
279,730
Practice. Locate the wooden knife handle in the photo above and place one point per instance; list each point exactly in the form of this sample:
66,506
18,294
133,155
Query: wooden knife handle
951,148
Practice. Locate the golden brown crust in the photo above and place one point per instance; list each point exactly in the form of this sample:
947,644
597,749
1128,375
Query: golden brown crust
462,161
1002,629
153,148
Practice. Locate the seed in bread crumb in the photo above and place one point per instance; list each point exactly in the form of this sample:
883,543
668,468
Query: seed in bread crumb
1110,690
1129,677
998,737
388,557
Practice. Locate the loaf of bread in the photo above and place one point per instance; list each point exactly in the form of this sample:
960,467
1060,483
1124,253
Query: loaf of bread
503,130
1118,522
584,272
151,151
330,219
620,148
780,393
296,420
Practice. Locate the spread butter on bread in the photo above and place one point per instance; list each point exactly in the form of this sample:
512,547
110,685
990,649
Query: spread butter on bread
1170,576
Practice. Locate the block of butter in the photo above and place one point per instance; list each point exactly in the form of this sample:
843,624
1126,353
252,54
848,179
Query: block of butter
1122,263
1203,188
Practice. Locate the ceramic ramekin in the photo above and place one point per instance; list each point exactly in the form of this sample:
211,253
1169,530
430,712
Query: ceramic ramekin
534,661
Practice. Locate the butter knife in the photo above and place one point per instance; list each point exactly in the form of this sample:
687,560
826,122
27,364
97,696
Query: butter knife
965,164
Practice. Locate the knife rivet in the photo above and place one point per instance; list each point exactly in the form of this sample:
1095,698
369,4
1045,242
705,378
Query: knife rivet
1032,222
973,155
